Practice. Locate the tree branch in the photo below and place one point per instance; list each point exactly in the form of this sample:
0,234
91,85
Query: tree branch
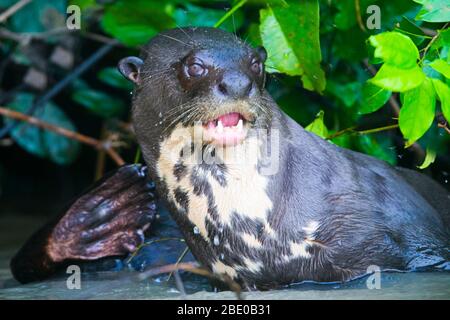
13,9
100,145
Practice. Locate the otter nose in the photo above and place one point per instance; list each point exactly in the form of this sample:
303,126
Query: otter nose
235,85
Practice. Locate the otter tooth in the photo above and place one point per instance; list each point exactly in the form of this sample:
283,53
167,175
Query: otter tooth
240,124
219,126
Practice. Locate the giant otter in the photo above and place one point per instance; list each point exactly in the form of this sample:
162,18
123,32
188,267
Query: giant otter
307,210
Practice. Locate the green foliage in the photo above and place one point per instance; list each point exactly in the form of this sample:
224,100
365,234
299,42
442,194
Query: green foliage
135,22
37,16
290,35
417,112
441,66
429,159
416,77
443,93
379,148
373,98
434,11
43,143
322,46
112,77
99,102
318,126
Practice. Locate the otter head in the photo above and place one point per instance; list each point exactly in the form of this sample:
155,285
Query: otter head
203,80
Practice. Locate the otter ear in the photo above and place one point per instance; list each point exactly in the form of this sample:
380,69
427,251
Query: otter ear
262,53
130,68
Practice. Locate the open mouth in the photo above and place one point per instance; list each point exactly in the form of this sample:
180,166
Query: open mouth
228,129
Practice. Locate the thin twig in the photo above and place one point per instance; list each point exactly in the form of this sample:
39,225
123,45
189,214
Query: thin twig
192,267
341,132
100,165
229,13
13,9
180,258
352,130
100,145
443,125
195,268
393,126
149,243
358,16
436,36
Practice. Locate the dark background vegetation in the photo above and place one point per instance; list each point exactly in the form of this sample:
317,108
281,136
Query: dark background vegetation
40,170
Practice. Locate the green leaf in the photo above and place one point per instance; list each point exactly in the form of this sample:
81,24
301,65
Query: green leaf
99,102
60,149
193,16
417,111
434,11
396,79
373,98
409,28
429,159
113,77
441,66
135,27
290,35
443,92
318,126
26,136
44,143
395,49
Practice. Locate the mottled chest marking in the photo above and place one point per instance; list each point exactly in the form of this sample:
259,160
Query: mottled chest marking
235,183
214,194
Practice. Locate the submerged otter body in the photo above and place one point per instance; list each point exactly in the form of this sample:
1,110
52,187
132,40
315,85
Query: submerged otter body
324,214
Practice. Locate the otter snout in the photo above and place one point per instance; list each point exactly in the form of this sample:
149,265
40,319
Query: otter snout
235,85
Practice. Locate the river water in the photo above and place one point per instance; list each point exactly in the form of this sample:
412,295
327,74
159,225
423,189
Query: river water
126,284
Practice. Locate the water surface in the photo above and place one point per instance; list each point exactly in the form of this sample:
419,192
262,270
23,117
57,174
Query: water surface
126,285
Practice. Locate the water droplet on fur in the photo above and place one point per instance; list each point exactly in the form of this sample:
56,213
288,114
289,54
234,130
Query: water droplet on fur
160,122
131,93
160,115
216,240
446,181
222,256
196,230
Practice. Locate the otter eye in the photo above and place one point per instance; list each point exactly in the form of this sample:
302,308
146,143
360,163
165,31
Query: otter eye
256,66
196,69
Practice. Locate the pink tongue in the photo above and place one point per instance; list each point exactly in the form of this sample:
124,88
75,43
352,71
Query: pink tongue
230,119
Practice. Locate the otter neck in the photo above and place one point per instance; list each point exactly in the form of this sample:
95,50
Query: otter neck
214,187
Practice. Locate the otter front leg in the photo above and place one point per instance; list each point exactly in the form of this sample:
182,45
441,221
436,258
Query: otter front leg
108,220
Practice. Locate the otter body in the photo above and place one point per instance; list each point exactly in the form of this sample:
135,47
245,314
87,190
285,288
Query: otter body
256,197
326,214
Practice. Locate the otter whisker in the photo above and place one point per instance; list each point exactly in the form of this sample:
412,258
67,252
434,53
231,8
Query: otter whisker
175,39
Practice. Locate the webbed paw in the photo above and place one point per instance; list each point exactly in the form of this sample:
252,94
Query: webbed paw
108,220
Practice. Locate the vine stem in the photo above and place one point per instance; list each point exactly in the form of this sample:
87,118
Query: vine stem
229,13
352,130
358,16
436,36
13,9
100,145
